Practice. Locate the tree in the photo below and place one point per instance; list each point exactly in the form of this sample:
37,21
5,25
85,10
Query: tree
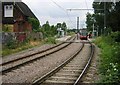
64,26
102,13
49,31
53,30
46,29
89,21
58,25
35,24
114,17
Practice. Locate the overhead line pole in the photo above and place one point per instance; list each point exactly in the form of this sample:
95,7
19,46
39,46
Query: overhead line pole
104,18
79,9
77,27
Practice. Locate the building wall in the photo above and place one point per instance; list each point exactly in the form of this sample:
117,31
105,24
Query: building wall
21,24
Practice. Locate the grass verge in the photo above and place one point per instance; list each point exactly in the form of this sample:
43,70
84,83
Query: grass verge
8,51
24,46
109,68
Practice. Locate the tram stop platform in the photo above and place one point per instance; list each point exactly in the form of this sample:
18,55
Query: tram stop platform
63,38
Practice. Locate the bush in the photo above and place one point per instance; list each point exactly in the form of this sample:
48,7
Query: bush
109,59
35,24
50,40
116,36
12,44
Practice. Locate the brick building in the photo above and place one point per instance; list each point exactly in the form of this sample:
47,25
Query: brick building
17,14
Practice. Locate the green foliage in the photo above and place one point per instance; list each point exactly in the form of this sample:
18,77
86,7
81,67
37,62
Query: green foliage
51,31
110,13
58,25
109,61
14,47
64,26
71,33
35,24
89,21
116,36
7,28
48,31
12,44
50,40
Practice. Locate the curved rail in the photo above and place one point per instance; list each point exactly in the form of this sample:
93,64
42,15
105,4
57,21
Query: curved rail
77,80
40,80
11,61
29,61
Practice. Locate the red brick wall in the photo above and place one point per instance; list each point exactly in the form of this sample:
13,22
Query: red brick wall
20,25
21,36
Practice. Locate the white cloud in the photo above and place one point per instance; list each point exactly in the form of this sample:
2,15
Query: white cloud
55,10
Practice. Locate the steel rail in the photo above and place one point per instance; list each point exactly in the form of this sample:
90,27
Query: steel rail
30,61
11,61
77,82
41,79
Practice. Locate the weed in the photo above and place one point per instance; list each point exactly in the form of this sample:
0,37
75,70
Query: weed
50,40
109,59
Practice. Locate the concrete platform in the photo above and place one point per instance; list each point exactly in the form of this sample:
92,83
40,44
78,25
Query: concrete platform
63,38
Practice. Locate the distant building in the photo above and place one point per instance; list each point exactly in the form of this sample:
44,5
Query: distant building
61,32
17,14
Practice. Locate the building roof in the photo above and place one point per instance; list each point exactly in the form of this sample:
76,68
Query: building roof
25,9
22,7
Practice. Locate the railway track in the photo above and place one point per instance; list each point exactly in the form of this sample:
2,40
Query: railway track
70,71
16,63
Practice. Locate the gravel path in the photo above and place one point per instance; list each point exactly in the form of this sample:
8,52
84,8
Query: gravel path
30,72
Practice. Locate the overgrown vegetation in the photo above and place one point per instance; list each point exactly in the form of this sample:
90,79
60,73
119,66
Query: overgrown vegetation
50,40
35,24
110,58
7,28
13,46
105,20
49,33
51,30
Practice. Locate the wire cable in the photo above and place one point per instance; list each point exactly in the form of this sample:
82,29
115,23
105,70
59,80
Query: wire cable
63,10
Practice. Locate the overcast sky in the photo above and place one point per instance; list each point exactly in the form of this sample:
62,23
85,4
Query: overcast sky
55,11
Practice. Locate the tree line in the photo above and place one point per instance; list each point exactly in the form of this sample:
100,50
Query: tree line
106,17
51,31
47,29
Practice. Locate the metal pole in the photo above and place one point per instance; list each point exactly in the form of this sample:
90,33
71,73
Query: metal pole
77,27
93,29
104,18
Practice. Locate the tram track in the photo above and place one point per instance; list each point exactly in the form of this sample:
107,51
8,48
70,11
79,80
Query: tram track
14,64
70,71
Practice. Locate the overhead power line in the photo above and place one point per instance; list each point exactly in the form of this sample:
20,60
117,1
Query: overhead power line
58,5
86,5
63,10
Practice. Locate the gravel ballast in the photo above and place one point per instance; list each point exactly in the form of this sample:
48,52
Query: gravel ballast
26,52
32,71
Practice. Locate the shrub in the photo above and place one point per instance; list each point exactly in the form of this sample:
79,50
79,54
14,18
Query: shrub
50,40
109,59
35,24
12,44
